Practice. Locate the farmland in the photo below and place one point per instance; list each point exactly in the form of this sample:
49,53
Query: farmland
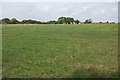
60,51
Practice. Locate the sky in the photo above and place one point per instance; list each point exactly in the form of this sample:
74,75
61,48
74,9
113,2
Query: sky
59,0
46,11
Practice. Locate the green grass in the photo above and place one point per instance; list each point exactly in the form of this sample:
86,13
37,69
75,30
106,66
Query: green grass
60,51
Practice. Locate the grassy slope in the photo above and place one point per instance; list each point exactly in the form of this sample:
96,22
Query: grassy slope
60,51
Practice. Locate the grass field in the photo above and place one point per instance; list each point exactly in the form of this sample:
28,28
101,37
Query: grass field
60,51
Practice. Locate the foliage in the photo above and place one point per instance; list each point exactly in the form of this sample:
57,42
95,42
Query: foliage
76,21
87,21
65,20
69,20
52,22
5,20
14,21
30,22
61,20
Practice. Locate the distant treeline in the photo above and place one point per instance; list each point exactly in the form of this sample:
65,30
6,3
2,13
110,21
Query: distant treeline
61,20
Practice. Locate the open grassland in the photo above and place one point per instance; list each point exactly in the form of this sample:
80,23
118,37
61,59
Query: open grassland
60,51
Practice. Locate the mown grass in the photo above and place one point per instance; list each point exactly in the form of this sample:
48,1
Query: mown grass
60,51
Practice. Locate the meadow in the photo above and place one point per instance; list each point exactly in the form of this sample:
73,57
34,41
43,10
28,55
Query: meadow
60,51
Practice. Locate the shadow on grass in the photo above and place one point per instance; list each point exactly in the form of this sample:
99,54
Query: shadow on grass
92,73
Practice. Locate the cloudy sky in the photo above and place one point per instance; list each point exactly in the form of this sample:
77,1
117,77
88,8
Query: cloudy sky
45,11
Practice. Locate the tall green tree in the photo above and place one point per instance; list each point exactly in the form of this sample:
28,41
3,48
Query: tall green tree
69,20
14,21
76,21
66,20
5,20
88,21
61,20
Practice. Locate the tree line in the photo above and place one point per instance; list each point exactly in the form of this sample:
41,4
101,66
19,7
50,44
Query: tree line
61,20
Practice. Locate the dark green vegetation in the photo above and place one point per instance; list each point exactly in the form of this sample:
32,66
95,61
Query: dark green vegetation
61,20
60,51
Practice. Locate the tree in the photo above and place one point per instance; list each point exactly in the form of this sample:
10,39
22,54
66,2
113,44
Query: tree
24,22
69,20
61,20
30,22
44,22
38,22
88,21
0,21
100,22
14,21
52,22
76,21
5,20
66,20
